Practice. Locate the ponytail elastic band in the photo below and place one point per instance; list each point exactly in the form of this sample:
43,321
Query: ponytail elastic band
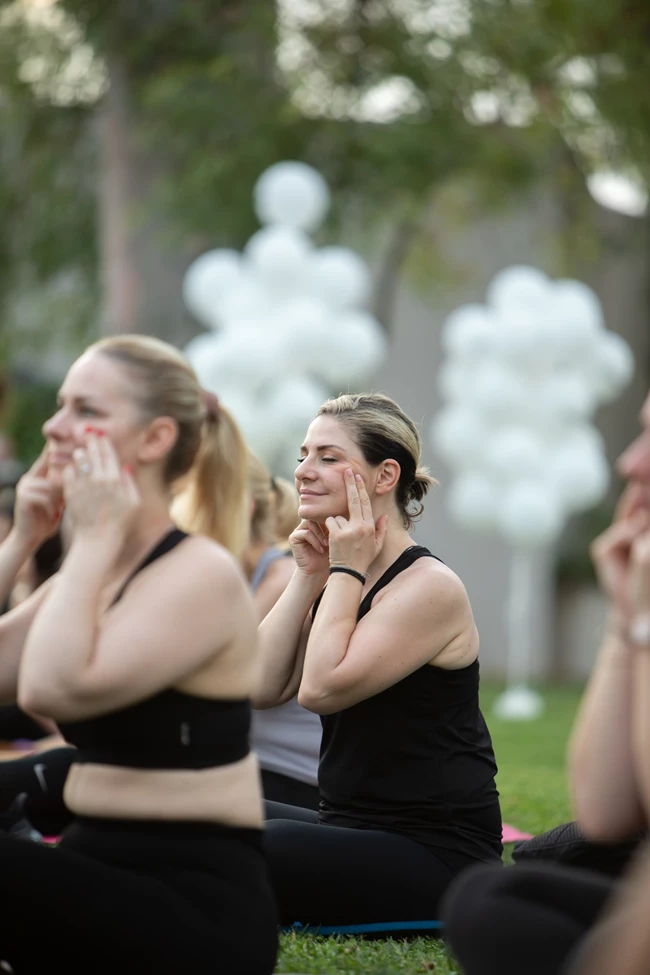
350,572
212,405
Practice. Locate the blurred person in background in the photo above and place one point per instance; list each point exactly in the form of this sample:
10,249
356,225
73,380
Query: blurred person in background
287,738
547,919
143,649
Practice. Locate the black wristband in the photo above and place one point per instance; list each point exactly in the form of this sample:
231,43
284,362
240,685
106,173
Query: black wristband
351,572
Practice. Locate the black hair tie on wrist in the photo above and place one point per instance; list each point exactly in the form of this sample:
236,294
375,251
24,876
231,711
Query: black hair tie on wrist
350,572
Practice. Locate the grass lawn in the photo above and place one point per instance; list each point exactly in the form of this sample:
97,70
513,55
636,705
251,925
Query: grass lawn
534,798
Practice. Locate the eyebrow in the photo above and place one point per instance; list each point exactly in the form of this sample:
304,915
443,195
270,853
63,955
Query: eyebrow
75,399
325,446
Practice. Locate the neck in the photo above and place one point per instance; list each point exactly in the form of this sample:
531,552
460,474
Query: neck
396,541
152,522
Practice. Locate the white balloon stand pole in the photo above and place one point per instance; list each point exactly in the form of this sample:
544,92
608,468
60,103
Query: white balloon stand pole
519,702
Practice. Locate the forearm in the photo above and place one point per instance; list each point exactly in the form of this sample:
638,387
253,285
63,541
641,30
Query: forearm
602,773
61,641
329,640
13,555
279,636
641,725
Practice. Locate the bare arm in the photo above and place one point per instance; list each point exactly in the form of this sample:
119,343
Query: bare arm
407,627
602,776
283,637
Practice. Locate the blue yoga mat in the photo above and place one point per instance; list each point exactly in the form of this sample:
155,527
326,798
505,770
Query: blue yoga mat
381,927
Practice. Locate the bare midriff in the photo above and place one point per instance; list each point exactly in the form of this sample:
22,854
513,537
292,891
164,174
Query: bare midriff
227,795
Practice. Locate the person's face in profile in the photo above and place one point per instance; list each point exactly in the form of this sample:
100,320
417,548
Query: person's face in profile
634,463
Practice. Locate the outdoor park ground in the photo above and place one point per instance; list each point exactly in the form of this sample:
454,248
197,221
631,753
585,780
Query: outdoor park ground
533,798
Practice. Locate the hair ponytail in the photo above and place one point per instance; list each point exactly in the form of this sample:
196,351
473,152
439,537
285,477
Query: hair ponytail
214,500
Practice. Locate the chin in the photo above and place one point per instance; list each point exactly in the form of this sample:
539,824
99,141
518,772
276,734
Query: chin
315,511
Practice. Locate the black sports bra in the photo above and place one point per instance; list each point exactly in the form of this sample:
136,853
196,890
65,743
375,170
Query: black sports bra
172,729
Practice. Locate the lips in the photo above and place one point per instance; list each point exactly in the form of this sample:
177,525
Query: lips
310,494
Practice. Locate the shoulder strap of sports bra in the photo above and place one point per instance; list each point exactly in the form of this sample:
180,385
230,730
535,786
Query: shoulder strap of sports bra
166,544
403,561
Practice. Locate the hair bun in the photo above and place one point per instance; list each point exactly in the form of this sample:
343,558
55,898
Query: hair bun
422,483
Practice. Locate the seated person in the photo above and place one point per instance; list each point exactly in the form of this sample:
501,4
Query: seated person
377,636
546,919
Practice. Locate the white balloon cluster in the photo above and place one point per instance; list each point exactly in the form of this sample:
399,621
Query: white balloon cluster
522,378
288,319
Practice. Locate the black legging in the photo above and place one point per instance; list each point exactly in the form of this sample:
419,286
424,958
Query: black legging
42,778
115,899
527,919
335,875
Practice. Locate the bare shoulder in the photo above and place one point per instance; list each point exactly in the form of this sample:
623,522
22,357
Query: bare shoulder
432,583
197,564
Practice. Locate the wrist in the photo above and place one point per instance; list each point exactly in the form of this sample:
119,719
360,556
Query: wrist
347,570
18,546
638,632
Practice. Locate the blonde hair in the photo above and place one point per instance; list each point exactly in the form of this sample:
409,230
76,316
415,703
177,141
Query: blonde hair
275,512
382,431
209,454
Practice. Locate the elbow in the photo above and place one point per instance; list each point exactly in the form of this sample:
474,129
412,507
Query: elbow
51,702
598,827
317,701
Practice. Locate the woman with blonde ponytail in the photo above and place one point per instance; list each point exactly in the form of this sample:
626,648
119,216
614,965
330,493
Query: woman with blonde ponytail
376,635
286,739
142,648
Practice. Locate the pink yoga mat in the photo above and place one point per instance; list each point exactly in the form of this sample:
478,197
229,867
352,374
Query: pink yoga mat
511,835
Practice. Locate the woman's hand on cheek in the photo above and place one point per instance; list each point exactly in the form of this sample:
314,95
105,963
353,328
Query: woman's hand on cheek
101,497
356,541
39,505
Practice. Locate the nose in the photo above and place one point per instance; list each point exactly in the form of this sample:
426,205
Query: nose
57,426
634,463
303,471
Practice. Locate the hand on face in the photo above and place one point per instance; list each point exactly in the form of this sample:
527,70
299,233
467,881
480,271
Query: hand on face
621,555
356,541
101,497
39,505
309,546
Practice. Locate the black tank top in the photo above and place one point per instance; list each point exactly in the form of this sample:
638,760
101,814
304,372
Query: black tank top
171,729
415,759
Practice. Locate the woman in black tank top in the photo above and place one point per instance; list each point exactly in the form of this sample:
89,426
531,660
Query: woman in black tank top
377,636
143,649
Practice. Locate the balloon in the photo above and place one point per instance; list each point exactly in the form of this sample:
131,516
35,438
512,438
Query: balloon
246,356
200,354
292,194
360,347
575,302
497,389
580,477
279,257
248,301
459,436
455,379
469,332
473,500
518,285
531,514
208,280
612,368
293,403
515,453
306,334
566,395
522,337
339,277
